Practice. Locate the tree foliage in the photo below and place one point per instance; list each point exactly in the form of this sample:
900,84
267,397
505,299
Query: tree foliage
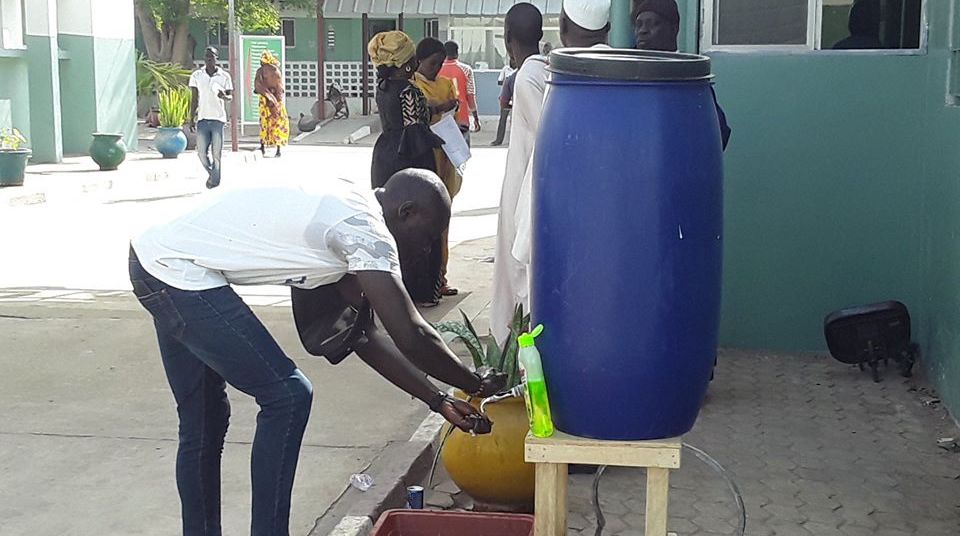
165,24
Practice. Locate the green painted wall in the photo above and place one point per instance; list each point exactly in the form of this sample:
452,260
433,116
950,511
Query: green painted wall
44,101
349,44
97,90
198,29
940,162
414,28
116,88
819,210
14,87
348,37
689,25
621,27
77,97
841,189
305,33
822,198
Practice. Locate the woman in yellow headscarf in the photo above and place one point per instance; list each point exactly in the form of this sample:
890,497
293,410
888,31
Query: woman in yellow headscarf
406,142
274,123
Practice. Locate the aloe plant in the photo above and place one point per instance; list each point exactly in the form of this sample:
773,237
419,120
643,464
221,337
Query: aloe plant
501,358
174,107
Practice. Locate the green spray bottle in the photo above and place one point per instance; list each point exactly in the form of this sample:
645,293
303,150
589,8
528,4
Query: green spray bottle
535,392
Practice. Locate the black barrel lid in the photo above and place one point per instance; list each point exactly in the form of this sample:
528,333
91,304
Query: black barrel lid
630,64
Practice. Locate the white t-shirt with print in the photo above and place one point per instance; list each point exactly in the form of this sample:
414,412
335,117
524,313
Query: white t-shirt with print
209,104
272,236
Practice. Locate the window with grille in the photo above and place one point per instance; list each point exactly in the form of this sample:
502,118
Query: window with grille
431,28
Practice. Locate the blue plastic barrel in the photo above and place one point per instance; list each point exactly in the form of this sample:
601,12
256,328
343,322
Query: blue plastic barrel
626,259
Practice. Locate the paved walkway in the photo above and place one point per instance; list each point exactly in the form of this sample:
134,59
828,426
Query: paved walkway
88,437
89,424
817,449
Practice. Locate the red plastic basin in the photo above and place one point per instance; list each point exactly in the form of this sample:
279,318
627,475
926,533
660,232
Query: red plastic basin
436,523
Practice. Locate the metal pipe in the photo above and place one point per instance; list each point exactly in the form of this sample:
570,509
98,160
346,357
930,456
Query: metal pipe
516,392
234,57
321,57
364,64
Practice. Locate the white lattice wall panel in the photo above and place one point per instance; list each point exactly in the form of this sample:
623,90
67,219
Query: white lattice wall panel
348,76
300,78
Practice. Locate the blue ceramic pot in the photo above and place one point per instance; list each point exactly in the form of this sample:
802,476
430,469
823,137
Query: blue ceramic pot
170,141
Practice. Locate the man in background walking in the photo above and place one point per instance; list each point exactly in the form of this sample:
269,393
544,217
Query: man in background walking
210,86
462,76
505,80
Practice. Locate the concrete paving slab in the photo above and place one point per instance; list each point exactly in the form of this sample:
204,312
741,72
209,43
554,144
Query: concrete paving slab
90,425
55,484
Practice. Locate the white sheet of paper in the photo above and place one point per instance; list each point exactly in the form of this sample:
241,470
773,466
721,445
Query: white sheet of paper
454,145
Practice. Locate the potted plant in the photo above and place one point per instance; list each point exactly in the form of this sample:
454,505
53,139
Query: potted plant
13,158
153,77
174,112
491,468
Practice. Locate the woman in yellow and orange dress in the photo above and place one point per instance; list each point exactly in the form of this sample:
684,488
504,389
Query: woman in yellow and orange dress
441,96
274,123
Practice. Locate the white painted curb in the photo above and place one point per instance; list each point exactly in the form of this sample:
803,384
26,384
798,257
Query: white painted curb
429,429
353,526
358,135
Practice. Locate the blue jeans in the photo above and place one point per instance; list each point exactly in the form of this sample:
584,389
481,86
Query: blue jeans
209,338
210,140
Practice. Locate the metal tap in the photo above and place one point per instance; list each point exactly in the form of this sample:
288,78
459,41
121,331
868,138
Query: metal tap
516,392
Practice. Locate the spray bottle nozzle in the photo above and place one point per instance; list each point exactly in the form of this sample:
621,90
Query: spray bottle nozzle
526,339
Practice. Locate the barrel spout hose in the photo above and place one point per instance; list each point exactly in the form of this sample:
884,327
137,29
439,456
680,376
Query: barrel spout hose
705,458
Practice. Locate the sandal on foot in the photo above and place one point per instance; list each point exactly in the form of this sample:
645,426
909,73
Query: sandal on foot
448,291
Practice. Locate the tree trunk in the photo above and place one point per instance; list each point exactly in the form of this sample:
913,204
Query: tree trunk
180,51
169,43
149,29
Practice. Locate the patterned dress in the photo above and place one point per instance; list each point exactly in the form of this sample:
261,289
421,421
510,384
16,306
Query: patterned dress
408,142
274,123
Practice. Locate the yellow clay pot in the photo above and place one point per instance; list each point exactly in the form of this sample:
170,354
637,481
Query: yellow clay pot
490,468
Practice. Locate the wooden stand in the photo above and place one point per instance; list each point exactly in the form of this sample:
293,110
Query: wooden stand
553,454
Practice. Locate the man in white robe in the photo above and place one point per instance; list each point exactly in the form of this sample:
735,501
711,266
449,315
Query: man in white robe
583,23
523,30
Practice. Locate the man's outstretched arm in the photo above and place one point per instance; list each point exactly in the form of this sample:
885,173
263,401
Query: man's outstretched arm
413,336
378,351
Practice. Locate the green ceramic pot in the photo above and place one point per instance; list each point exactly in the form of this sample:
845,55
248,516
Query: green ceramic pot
108,150
13,165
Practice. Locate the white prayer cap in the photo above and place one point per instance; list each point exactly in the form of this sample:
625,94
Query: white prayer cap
588,14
